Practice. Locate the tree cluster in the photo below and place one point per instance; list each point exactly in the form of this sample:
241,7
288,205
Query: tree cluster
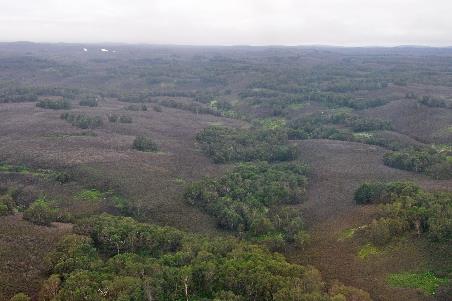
406,208
235,145
83,121
250,200
115,258
428,161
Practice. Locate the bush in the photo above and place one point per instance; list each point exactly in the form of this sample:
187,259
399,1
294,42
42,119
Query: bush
370,193
144,144
125,119
112,118
83,121
89,102
40,213
54,104
136,108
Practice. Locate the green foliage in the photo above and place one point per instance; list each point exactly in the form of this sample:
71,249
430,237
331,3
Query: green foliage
20,297
427,282
127,260
234,145
245,199
407,208
346,234
40,213
368,250
378,192
90,195
427,161
83,121
7,205
54,104
144,144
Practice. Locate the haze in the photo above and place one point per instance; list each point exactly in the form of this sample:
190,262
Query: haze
229,22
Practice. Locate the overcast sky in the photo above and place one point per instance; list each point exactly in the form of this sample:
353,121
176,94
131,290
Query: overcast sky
229,22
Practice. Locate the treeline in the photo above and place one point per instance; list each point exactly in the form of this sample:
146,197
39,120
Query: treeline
282,99
428,161
115,258
223,109
406,208
32,94
250,201
235,145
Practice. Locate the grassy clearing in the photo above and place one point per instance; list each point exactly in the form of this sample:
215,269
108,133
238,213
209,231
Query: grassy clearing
427,282
368,250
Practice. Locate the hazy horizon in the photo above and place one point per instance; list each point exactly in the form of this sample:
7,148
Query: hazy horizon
230,23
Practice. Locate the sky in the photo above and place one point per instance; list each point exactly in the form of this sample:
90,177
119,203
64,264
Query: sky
230,22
